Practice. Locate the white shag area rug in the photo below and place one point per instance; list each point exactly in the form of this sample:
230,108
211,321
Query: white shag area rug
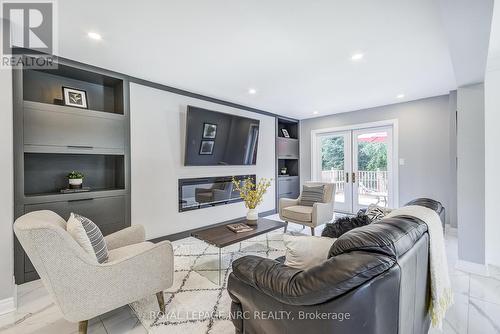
196,303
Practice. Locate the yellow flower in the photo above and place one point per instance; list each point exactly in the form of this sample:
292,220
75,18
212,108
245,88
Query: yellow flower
251,193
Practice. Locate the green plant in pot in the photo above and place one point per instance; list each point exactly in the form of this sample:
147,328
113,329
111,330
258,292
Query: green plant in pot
75,180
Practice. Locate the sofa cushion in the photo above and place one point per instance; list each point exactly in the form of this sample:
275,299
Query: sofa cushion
298,213
390,236
311,195
305,251
129,251
88,236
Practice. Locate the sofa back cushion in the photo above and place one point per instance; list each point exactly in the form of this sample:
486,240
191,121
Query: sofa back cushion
391,236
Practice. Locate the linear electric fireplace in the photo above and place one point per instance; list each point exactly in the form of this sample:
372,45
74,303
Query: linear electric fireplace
198,193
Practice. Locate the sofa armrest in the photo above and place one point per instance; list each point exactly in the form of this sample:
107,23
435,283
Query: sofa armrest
322,213
316,285
128,236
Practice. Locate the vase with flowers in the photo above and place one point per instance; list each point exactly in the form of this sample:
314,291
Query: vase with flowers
252,194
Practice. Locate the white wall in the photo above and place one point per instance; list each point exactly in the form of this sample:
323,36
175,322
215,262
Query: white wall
6,190
470,174
157,155
424,144
492,140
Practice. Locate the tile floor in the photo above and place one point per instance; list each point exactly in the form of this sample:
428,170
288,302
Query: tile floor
476,309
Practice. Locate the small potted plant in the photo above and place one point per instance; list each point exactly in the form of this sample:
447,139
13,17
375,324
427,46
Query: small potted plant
252,195
75,180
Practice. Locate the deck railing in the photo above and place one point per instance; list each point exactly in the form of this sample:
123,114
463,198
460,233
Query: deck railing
369,181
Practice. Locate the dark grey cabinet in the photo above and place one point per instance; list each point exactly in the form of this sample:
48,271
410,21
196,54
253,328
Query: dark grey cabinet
288,148
59,129
288,187
51,140
107,212
287,159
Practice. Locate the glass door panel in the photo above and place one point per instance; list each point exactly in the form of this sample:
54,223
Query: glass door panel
335,166
372,167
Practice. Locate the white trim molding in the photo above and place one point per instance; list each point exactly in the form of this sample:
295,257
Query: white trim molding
395,147
473,268
7,305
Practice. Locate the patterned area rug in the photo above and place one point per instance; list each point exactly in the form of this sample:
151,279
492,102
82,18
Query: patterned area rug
196,303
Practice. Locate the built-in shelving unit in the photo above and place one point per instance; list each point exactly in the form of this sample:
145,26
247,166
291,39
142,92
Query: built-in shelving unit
51,140
287,157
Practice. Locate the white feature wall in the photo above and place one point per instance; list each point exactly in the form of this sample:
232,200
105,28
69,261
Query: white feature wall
158,122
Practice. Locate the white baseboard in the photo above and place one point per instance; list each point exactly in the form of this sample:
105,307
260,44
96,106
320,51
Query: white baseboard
7,305
473,268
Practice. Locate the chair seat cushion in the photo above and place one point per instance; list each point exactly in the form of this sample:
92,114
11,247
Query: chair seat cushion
298,213
128,251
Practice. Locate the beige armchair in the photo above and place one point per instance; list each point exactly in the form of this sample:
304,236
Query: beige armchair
320,213
80,286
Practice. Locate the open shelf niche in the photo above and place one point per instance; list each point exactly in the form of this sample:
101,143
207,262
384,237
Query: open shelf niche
104,93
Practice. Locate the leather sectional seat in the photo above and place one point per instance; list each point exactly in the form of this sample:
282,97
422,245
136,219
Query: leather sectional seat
376,280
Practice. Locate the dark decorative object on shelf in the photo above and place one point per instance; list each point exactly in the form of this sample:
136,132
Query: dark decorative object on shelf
72,191
209,131
285,133
75,97
75,180
59,102
207,147
344,224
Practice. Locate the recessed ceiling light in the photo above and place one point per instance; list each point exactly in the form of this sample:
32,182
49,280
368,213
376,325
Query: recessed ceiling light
357,56
400,96
94,35
252,91
315,112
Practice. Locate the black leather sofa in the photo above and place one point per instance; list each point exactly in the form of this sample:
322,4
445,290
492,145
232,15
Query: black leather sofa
376,280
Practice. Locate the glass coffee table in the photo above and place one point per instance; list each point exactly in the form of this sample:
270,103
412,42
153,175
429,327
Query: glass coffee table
220,236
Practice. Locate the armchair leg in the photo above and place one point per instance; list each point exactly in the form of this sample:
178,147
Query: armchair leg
312,230
161,301
286,226
82,327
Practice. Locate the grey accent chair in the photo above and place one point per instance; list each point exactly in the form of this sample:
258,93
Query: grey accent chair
80,286
290,210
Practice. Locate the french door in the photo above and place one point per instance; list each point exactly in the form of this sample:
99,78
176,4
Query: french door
360,163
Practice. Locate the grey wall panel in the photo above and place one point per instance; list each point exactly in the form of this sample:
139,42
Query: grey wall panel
424,144
470,174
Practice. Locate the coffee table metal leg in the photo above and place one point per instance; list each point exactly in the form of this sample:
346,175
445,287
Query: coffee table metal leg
220,266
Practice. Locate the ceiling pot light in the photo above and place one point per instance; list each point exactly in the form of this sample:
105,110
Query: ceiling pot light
400,96
94,35
357,56
252,91
315,112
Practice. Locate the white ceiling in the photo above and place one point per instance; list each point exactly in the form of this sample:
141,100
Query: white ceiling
296,54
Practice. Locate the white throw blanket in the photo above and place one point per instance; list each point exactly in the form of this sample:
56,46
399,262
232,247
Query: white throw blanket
441,292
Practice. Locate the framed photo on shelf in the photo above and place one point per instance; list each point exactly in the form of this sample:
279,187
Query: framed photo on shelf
207,147
209,131
75,97
285,133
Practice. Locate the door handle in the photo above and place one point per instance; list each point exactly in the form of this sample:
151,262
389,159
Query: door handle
353,177
80,200
347,177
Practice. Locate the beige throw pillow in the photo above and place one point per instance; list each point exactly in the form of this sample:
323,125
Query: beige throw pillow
88,236
305,251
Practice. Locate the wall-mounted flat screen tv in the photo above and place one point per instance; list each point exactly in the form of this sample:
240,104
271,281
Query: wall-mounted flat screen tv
215,138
